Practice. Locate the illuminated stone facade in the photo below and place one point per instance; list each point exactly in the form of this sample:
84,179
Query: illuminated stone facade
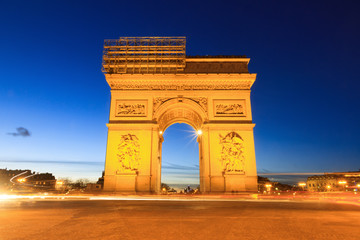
338,181
211,94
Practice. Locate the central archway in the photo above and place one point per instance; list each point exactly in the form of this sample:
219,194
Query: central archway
180,157
180,110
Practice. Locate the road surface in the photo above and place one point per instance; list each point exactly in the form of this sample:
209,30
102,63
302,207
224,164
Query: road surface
154,219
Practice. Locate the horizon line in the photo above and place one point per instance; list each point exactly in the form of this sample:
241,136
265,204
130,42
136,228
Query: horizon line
289,174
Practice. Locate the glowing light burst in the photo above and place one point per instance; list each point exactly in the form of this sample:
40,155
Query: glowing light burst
193,135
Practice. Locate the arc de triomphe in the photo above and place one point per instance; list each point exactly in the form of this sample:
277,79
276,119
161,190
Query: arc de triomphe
153,85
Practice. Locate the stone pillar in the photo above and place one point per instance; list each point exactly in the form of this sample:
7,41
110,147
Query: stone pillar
130,157
232,157
204,161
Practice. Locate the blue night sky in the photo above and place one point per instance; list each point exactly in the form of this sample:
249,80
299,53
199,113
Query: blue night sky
305,100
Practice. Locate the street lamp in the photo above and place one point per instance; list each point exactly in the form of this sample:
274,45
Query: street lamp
302,185
342,182
21,180
268,187
59,182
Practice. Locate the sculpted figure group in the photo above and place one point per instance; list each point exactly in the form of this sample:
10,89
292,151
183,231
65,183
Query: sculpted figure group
128,153
232,153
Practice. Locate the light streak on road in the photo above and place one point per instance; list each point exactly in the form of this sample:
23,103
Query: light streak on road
11,179
343,200
355,203
24,184
127,198
30,175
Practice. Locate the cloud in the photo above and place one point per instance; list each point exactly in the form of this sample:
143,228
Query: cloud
21,132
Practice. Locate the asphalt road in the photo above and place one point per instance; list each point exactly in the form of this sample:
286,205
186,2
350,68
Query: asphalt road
108,219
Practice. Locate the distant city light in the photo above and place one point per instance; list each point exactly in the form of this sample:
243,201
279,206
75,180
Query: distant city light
302,184
342,182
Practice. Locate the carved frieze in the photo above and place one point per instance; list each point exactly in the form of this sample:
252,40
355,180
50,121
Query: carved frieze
180,113
232,156
158,101
228,108
131,108
128,154
196,85
202,101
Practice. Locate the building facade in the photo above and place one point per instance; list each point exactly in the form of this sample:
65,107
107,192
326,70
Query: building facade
26,179
337,181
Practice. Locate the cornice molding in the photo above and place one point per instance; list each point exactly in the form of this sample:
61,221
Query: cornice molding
218,59
180,81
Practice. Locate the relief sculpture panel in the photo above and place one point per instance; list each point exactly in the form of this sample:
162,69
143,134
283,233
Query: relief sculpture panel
228,108
131,108
232,156
180,113
159,101
128,154
201,101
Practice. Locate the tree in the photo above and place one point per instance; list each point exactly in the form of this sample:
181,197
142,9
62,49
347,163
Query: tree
164,185
81,183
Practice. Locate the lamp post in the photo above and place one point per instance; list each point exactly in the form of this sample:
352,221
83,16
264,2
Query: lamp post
21,180
59,185
302,185
342,183
268,187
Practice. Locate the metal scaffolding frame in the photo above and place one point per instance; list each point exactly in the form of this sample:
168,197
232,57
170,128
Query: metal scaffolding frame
144,55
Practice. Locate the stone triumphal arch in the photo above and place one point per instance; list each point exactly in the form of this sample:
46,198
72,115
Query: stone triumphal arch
153,85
